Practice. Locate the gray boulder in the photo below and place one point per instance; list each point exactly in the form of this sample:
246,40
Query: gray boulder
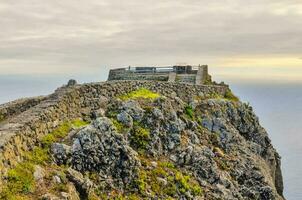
125,119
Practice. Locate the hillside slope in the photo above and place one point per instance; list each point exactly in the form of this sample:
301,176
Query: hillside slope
139,140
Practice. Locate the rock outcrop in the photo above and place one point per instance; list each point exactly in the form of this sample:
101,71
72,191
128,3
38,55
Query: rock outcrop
159,143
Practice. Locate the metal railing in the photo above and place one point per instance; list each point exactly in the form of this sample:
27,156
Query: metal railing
162,69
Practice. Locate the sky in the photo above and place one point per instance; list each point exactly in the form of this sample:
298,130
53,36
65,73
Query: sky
238,38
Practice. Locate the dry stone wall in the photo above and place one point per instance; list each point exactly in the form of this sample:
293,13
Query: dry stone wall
41,115
16,107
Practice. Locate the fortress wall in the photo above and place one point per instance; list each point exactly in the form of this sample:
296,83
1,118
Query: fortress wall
122,74
198,77
20,133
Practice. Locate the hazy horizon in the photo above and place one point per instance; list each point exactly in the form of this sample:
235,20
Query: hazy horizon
63,37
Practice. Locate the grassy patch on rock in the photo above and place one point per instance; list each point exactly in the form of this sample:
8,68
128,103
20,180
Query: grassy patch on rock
140,136
62,131
141,93
164,180
20,183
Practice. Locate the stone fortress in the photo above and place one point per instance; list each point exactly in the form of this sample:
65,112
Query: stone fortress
197,75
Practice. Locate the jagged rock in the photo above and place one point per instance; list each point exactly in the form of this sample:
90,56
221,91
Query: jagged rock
158,114
82,184
133,109
100,148
60,152
125,119
72,193
97,113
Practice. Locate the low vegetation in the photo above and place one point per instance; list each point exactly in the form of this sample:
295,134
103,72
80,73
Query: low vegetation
61,132
230,96
140,136
20,179
189,111
141,93
120,128
166,180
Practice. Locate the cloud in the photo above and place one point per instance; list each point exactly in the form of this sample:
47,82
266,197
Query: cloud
64,36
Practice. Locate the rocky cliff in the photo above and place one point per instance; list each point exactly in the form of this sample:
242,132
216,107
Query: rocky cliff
136,140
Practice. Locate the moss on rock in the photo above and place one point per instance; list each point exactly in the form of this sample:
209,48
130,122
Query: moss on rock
141,93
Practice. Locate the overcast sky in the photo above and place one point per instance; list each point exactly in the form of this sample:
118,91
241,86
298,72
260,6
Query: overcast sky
71,36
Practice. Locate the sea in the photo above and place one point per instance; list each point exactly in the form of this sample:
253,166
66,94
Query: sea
277,103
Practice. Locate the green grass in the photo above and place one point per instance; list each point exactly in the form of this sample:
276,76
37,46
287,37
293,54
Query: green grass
77,123
141,93
62,131
20,180
189,111
177,181
38,156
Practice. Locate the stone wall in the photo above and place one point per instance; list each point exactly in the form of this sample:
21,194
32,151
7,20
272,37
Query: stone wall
21,132
138,76
18,106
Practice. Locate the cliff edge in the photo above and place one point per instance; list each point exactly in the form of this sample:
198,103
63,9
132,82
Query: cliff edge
136,140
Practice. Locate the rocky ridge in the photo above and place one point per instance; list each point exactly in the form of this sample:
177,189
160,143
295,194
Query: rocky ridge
145,144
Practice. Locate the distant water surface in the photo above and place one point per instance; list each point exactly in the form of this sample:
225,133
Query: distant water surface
277,104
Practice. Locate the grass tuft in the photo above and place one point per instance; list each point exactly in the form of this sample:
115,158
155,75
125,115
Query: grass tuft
189,111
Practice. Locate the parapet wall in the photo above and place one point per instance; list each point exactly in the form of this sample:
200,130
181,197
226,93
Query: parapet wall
21,132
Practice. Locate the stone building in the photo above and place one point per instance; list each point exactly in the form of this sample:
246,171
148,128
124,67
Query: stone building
197,75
